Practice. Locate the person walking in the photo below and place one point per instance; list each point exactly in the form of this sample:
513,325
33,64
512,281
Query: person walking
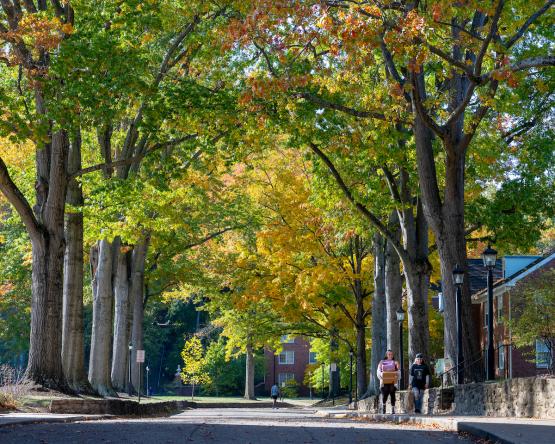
388,374
274,393
419,380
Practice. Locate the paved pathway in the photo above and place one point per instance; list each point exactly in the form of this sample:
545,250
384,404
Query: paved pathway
214,426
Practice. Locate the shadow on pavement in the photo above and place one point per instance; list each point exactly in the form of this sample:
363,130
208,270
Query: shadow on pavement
169,432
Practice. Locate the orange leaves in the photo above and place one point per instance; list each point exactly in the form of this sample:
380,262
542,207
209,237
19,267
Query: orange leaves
436,12
42,32
372,10
507,75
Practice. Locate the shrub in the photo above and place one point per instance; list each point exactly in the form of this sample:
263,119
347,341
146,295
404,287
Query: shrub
291,389
13,387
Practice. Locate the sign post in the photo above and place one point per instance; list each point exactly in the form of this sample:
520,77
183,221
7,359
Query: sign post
140,360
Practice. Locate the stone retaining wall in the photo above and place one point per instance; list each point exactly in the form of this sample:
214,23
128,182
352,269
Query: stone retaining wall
130,407
519,397
435,401
116,407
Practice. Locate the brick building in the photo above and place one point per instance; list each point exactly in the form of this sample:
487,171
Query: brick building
291,363
511,362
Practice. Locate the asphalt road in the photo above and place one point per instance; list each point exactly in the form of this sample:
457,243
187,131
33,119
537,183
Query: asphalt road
212,426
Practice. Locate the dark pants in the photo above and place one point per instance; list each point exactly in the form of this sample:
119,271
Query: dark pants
387,390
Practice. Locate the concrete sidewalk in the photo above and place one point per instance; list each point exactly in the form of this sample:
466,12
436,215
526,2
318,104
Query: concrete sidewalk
8,419
499,430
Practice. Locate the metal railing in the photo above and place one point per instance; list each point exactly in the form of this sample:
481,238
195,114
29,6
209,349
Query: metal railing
475,371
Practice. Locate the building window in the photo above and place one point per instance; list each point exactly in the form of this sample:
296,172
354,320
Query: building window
542,354
501,357
287,357
284,377
312,358
286,339
500,309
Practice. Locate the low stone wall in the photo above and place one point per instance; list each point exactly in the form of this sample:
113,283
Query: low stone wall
123,407
435,401
116,407
519,397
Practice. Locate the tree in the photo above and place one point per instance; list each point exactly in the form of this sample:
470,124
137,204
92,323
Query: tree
533,317
193,364
435,67
34,39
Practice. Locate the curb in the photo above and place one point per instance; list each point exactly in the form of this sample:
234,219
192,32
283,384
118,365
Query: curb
46,420
479,433
448,424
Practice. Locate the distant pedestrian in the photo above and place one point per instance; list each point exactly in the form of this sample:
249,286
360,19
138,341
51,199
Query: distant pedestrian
419,380
274,393
388,374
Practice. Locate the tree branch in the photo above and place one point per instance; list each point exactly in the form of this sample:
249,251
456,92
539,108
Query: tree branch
374,220
17,199
517,35
338,107
392,184
422,112
487,40
209,237
130,160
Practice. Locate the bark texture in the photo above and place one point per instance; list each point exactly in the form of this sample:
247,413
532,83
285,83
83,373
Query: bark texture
45,351
249,373
446,217
121,319
379,336
73,356
99,362
136,294
393,287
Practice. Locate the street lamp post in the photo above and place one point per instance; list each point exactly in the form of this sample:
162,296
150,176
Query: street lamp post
400,318
323,375
489,257
147,386
351,377
129,391
458,278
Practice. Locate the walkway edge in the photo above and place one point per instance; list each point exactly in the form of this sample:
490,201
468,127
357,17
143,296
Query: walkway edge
452,424
11,421
480,433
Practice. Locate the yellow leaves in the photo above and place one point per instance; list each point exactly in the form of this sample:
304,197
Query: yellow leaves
18,155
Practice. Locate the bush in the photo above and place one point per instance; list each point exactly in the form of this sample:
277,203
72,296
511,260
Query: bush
291,389
13,387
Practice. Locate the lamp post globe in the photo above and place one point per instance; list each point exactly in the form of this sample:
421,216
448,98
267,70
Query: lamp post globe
400,314
489,257
458,279
129,388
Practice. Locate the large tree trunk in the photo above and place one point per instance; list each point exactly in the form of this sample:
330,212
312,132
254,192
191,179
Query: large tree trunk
249,373
446,219
121,319
379,344
45,351
393,287
361,361
99,362
73,355
136,294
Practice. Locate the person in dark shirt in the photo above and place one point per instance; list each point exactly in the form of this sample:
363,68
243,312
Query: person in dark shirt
419,380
